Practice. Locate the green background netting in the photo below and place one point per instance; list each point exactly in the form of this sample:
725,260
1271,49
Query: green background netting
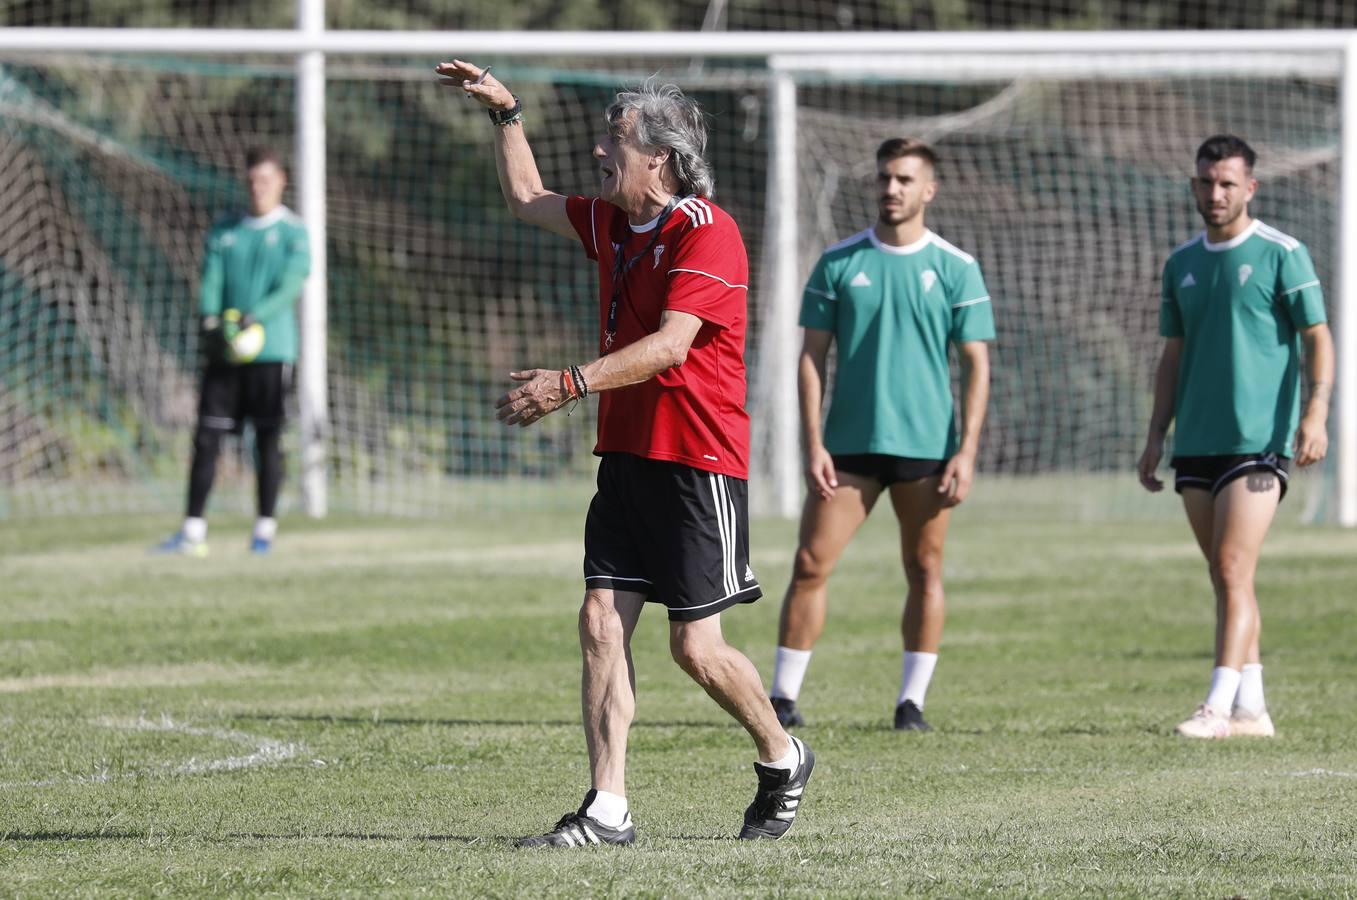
111,171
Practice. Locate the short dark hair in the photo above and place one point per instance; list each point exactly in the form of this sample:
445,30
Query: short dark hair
896,148
1226,146
260,154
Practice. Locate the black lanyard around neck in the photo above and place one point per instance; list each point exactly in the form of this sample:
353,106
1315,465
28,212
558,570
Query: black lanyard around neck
622,265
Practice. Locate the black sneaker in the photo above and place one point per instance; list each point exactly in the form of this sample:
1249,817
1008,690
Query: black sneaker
578,830
779,797
787,713
909,717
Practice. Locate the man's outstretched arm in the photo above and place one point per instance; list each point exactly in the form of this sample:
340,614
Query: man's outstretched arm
519,179
546,391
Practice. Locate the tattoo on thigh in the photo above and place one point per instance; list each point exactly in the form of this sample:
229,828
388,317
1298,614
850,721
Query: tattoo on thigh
1260,482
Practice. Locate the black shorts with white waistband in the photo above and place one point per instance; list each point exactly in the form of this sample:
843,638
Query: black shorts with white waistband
888,469
677,534
1212,473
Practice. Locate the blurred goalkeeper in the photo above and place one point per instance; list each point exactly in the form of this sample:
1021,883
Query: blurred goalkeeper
253,270
669,523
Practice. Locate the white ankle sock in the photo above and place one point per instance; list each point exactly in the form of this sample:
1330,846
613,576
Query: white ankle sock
789,760
610,809
789,670
915,674
195,529
1250,696
1224,687
265,529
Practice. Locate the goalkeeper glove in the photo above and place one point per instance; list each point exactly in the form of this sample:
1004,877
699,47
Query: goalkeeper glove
214,341
243,337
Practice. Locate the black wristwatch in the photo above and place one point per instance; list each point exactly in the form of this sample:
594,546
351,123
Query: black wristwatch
508,116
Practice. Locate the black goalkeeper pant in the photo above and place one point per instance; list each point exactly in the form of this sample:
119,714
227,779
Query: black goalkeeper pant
230,395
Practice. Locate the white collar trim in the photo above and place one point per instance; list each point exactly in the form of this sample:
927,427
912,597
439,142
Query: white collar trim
906,250
1232,242
269,218
650,226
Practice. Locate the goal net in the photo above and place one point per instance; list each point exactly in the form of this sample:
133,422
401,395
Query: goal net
1070,193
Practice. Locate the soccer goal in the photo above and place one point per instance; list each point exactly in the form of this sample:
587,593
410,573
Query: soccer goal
1064,167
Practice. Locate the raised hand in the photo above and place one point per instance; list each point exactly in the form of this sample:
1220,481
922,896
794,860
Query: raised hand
475,82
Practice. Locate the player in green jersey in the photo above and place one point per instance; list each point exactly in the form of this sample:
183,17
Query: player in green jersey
1239,301
253,270
894,298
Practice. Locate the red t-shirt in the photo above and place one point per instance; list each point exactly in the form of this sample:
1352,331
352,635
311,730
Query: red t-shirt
693,414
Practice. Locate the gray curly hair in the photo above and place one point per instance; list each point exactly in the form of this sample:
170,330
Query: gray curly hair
666,117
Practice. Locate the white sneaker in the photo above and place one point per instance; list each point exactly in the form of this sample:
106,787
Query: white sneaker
1247,724
1207,722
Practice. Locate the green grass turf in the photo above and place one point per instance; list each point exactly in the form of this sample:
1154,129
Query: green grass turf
379,706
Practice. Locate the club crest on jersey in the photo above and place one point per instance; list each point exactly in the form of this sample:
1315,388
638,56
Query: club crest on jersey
1244,273
659,251
929,278
272,238
1188,281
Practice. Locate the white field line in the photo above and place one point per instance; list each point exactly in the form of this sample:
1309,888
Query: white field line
266,752
961,769
141,676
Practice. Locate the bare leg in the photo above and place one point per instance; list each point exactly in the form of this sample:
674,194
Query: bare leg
923,529
1201,515
608,686
730,679
1244,510
826,528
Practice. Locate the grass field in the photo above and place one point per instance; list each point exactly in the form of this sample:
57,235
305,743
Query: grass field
379,706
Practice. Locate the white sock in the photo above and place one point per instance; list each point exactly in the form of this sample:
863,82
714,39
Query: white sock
1224,687
265,529
789,670
1250,696
194,530
610,809
789,760
915,674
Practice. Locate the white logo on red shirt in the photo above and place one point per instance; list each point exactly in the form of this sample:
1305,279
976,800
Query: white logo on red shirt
659,251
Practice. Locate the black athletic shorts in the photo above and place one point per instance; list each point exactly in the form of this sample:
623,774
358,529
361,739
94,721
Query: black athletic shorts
232,394
1211,473
677,534
888,469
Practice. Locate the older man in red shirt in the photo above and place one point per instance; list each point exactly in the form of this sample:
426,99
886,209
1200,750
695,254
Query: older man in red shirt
669,523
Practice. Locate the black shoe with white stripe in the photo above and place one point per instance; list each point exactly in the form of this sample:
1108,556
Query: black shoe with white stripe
779,797
579,830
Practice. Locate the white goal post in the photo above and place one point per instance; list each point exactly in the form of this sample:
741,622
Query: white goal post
787,59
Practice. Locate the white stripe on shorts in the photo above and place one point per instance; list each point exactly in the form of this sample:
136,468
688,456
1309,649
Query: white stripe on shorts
734,530
723,527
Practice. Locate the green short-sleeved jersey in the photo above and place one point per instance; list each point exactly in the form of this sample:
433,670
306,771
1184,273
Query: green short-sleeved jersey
893,312
258,265
1239,307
